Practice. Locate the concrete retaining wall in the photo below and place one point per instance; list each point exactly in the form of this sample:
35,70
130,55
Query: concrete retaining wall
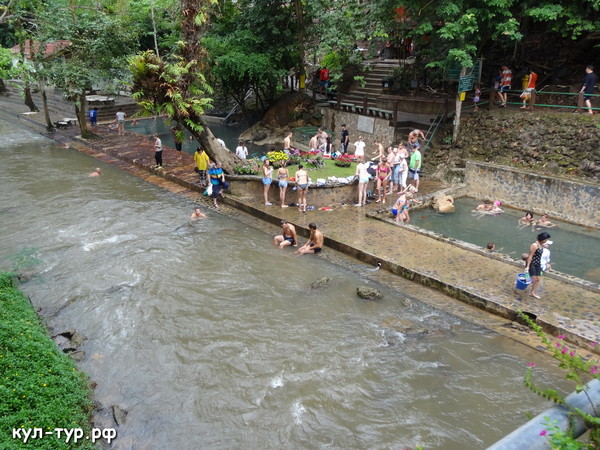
333,120
249,186
558,197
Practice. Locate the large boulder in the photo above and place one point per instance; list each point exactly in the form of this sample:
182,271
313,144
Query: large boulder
443,203
368,293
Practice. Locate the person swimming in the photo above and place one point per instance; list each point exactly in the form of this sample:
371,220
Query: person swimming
544,222
527,220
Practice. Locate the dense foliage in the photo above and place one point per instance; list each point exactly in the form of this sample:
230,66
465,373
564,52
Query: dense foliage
40,386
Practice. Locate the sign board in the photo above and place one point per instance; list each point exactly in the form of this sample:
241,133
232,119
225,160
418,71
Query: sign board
453,73
366,124
465,83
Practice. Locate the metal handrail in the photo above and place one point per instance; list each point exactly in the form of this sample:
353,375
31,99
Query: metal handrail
439,118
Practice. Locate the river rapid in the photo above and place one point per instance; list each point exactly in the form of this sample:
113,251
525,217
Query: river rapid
209,337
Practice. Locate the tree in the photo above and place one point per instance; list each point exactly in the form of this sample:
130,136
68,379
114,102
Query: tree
7,68
97,53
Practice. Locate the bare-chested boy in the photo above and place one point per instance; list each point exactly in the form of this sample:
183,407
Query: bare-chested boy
315,241
288,235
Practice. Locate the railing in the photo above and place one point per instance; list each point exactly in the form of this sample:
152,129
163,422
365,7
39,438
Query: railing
369,106
433,128
534,97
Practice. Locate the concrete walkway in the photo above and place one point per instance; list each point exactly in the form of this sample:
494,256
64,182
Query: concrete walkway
474,278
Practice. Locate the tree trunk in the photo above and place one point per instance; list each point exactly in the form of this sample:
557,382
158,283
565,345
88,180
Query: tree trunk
29,99
2,87
300,39
195,14
81,116
49,125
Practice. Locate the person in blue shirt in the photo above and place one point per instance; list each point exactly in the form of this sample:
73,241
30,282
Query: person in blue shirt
217,181
93,114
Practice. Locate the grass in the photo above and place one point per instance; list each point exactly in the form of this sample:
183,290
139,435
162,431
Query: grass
330,170
40,386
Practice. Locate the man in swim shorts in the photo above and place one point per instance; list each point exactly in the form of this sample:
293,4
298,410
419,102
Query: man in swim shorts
288,235
315,241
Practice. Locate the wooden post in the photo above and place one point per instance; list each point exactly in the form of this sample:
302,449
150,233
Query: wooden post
532,99
491,102
579,102
339,101
365,105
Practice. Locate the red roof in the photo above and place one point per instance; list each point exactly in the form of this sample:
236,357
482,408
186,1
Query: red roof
50,49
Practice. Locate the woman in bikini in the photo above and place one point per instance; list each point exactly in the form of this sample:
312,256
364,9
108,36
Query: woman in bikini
302,183
282,178
267,178
383,174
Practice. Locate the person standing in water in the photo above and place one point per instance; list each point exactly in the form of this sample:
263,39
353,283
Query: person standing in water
534,262
197,214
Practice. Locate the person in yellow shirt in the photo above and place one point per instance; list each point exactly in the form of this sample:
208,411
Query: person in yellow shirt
201,159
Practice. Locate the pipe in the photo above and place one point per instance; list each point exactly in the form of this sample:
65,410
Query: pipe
528,436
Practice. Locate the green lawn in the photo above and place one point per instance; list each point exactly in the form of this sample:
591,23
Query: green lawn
330,170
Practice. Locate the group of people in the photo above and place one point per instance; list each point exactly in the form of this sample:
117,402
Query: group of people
392,171
528,220
288,237
537,260
504,79
210,175
283,178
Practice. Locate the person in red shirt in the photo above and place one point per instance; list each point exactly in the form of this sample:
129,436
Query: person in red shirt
529,88
324,79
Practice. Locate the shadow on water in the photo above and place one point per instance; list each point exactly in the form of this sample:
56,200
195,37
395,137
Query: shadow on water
206,333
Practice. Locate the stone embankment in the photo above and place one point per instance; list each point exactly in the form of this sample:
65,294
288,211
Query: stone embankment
549,143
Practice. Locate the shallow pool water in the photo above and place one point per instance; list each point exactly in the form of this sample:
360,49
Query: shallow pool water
229,133
575,249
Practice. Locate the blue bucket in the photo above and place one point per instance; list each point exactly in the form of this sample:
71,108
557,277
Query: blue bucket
523,280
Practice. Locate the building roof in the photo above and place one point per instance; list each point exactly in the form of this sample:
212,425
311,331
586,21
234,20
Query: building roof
50,48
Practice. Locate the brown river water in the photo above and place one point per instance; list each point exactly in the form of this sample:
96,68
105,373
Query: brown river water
211,338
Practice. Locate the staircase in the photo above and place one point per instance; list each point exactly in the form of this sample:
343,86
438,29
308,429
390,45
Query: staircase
375,71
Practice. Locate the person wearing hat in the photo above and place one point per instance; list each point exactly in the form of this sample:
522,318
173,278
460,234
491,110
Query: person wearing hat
534,262
201,159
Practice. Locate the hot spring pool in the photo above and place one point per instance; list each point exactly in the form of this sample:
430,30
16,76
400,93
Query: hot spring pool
575,250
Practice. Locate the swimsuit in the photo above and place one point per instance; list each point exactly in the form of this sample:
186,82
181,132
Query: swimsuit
384,170
535,268
303,186
283,183
316,250
290,239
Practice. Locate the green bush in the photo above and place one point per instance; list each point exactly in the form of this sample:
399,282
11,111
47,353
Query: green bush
40,386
